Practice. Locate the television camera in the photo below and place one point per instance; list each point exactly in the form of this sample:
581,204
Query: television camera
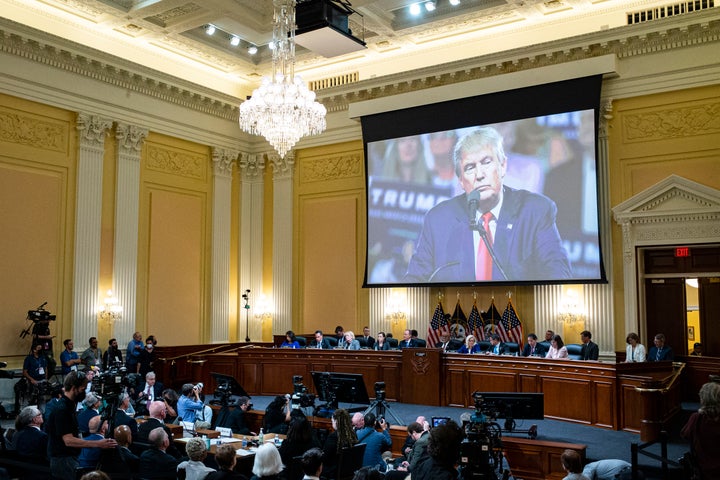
300,397
223,395
36,316
110,383
481,456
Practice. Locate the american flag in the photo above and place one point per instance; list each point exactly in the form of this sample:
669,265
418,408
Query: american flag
438,326
476,326
492,317
510,329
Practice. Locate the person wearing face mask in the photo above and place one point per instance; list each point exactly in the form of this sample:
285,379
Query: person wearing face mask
146,358
64,443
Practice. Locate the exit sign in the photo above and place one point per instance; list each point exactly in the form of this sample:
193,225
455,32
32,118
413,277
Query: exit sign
682,252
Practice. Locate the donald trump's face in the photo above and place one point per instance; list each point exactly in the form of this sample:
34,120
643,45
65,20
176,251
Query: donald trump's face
483,171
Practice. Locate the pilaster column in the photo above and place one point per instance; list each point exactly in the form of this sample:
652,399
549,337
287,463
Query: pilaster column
130,139
283,171
222,195
252,190
92,130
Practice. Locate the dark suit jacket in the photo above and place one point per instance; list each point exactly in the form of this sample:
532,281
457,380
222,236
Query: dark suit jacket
146,427
452,345
502,348
122,418
540,350
404,344
30,442
665,354
589,351
156,464
369,341
234,420
325,344
526,241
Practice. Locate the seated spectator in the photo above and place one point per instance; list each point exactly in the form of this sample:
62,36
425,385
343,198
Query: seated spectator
572,464
277,415
189,404
155,463
121,415
367,473
557,348
471,345
343,436
268,464
194,468
358,421
443,446
660,352
235,419
609,469
29,440
91,409
697,350
290,340
702,430
170,397
120,461
95,475
90,456
375,442
300,437
156,420
312,464
420,437
225,458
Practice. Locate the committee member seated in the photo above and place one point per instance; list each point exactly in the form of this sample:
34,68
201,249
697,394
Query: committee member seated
635,351
447,344
518,224
290,340
407,340
589,350
381,343
660,352
348,342
496,346
320,341
366,340
471,345
557,348
533,348
155,463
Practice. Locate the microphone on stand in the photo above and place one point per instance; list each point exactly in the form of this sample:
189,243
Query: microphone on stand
442,267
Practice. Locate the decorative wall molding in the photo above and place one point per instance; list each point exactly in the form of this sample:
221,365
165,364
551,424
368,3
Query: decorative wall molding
92,130
223,161
176,163
331,168
282,167
687,121
33,132
251,165
130,137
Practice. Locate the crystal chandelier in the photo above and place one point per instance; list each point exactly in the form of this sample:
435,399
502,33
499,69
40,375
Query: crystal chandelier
282,109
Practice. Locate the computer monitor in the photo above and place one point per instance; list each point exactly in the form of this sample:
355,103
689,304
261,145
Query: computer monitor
340,387
235,388
515,405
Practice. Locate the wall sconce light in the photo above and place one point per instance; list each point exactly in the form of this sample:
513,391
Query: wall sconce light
111,311
262,308
395,308
572,311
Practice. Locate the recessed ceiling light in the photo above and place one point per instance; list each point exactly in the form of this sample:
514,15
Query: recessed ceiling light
415,9
430,6
454,3
252,49
235,41
210,29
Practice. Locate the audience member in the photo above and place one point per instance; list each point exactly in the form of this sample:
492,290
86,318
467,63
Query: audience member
290,341
92,356
122,460
418,452
369,341
63,442
95,475
343,436
697,349
660,352
470,346
702,431
194,468
189,404
235,419
367,473
312,464
408,341
132,355
156,419
55,396
635,351
300,437
121,414
320,341
113,355
381,343
358,421
90,456
225,458
150,391
348,342
375,442
146,357
170,397
91,408
268,464
533,348
69,359
29,440
609,469
589,350
572,464
557,348
277,415
442,448
155,463
497,347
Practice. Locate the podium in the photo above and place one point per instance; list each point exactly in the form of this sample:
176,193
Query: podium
421,369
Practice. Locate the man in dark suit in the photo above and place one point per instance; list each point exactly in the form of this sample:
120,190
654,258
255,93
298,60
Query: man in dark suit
121,416
369,341
496,346
589,350
320,341
147,393
519,225
660,352
158,410
448,345
235,419
155,463
29,440
408,341
533,348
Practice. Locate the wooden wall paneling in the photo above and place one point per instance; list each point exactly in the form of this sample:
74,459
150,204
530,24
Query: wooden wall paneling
537,459
488,380
605,404
558,389
529,382
421,375
631,408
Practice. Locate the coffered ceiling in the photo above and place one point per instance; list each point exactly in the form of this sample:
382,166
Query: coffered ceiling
169,35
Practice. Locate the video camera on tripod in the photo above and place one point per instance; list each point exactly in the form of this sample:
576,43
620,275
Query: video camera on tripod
36,316
481,451
300,397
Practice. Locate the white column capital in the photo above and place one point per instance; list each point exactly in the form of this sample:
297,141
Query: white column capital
130,138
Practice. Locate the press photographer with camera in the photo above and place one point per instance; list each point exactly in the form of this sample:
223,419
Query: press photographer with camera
376,437
443,446
190,404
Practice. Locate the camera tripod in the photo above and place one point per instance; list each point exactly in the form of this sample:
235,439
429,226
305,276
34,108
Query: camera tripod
382,407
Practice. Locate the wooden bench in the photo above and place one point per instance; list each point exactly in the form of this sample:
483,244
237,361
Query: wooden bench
537,459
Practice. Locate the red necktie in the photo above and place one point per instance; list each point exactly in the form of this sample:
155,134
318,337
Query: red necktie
483,262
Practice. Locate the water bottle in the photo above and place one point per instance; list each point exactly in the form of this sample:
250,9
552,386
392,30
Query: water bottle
207,442
261,437
244,442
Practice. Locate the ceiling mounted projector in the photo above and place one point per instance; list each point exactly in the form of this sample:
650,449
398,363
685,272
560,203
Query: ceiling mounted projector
323,27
